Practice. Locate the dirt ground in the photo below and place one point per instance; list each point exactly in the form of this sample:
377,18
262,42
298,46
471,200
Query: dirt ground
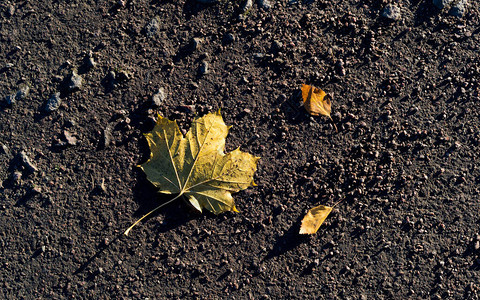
405,80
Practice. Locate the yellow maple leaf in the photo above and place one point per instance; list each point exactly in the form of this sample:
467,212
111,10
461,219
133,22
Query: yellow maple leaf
314,219
317,102
195,166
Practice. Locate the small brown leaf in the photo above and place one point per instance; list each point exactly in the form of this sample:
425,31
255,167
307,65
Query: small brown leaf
317,102
314,219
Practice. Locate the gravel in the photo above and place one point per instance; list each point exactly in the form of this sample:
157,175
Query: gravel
196,43
392,12
10,100
5,150
89,61
53,103
110,80
71,140
75,82
159,97
277,46
228,38
10,11
459,8
265,4
16,176
27,163
247,6
21,94
151,29
204,68
106,137
392,80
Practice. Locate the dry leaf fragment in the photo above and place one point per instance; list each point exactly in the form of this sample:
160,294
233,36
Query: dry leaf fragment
314,219
196,166
317,102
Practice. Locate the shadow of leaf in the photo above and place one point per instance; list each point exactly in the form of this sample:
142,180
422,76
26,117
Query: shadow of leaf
288,241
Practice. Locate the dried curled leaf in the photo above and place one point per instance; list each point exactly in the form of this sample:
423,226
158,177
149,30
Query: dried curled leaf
314,219
317,102
196,166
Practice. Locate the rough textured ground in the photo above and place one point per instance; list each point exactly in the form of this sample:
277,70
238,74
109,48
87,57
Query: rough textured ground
405,159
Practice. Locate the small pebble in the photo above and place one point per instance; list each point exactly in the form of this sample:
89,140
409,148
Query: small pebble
36,190
23,92
391,12
203,69
10,11
413,110
89,61
17,176
75,82
107,137
152,28
71,140
10,100
27,162
53,103
159,97
459,8
5,150
341,68
277,46
190,109
196,43
246,6
110,80
123,75
228,38
441,3
265,4
70,123
101,186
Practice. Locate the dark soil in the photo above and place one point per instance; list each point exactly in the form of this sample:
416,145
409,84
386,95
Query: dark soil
405,160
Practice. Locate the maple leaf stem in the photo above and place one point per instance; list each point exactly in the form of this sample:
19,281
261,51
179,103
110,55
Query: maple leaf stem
338,202
151,212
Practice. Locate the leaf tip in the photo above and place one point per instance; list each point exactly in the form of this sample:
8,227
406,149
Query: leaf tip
159,118
303,231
